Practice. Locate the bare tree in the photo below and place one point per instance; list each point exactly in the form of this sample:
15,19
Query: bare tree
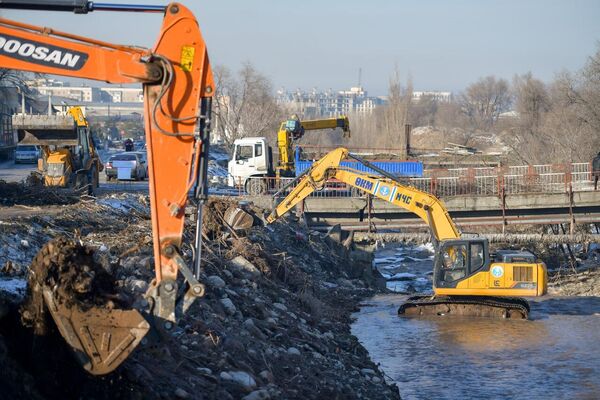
583,91
10,79
484,101
558,122
525,135
532,101
396,111
245,104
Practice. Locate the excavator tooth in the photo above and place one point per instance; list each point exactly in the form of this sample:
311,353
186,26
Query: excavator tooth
100,338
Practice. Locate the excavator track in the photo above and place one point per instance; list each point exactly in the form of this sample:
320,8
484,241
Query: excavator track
469,306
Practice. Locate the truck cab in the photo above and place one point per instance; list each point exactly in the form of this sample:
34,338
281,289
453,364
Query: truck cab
250,165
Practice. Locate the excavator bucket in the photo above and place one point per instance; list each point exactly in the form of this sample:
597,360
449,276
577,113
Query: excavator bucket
100,338
92,315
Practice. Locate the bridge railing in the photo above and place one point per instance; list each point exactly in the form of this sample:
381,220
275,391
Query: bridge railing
557,178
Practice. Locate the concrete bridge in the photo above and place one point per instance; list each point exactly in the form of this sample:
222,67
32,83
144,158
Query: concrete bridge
466,210
538,194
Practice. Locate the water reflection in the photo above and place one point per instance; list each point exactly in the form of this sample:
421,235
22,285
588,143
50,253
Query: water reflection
555,356
487,335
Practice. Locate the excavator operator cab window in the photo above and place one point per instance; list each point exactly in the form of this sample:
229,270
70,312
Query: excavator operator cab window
457,260
454,262
477,257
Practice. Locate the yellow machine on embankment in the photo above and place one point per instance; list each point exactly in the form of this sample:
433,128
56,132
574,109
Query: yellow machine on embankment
467,280
68,156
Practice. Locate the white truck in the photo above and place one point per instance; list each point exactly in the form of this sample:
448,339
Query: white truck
252,161
251,165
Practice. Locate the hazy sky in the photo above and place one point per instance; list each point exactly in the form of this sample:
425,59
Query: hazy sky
442,44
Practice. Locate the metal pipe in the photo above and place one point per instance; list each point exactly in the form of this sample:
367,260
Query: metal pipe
126,7
77,6
492,237
201,189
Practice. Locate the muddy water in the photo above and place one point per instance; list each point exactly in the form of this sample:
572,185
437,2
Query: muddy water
556,355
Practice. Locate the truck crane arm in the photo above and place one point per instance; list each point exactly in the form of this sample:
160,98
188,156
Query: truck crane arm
178,88
428,207
294,129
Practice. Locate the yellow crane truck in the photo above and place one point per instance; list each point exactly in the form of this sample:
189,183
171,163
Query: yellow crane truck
466,279
68,156
252,163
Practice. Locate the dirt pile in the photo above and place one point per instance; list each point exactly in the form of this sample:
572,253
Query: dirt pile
12,193
76,278
274,322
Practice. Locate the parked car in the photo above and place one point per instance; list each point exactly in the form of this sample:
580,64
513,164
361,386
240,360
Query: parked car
126,166
143,159
26,153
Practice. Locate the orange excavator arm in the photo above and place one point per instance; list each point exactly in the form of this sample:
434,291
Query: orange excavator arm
178,88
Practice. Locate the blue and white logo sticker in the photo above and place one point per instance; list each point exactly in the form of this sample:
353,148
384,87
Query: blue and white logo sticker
497,271
384,191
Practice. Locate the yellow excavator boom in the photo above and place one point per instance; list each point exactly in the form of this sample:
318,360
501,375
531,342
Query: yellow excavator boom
428,207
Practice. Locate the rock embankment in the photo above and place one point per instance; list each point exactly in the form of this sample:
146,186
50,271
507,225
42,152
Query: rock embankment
274,323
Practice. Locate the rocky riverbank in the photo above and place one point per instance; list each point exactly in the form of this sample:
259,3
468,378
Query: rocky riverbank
274,322
581,282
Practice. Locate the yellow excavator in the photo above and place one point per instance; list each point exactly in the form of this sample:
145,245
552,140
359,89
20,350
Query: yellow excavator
68,156
467,280
293,129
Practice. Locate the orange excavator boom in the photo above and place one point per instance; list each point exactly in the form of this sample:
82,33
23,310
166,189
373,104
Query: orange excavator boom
178,88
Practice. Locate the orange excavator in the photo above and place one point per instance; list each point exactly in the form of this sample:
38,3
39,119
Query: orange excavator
178,89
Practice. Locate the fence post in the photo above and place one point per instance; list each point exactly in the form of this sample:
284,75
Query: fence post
571,215
568,177
503,200
530,179
370,212
433,184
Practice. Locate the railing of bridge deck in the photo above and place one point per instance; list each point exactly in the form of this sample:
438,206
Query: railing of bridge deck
483,181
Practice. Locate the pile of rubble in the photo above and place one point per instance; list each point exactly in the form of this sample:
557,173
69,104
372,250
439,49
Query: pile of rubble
274,323
31,193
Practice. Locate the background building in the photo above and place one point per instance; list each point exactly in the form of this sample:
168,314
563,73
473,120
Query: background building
315,103
124,95
442,97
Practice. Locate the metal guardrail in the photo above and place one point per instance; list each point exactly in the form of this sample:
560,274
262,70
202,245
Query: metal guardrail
485,181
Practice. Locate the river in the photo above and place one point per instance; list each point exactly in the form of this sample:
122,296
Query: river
555,355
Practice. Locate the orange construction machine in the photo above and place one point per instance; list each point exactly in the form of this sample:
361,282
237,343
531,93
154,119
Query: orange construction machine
178,88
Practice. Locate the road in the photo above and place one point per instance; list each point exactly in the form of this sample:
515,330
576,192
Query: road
11,172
